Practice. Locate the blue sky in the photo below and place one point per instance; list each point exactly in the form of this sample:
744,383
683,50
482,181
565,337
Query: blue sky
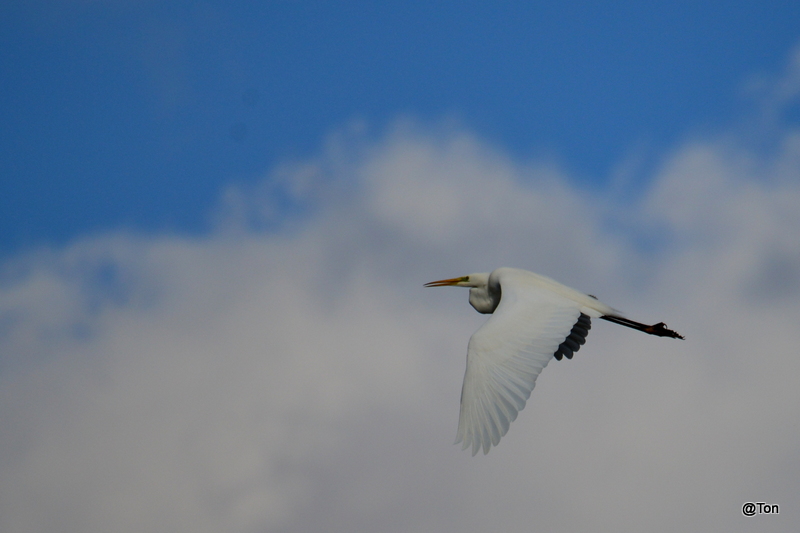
136,115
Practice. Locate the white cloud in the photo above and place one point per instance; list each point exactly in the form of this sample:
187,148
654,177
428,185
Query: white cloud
302,379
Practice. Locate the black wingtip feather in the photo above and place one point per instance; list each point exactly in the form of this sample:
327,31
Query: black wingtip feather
576,338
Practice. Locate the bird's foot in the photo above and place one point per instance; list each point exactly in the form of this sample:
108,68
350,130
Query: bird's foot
661,330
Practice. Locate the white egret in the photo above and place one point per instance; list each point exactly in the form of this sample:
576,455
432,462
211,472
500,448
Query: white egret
534,319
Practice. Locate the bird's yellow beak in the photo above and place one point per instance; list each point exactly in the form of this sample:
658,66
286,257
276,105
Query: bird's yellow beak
446,282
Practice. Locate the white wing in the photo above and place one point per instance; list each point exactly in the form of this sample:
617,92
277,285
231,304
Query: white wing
507,354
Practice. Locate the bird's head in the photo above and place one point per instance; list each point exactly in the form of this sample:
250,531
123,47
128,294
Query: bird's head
481,297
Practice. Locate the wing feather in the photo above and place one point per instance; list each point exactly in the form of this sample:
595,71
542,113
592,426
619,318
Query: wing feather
507,354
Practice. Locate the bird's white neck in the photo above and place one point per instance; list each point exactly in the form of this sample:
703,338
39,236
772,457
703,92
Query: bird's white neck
485,296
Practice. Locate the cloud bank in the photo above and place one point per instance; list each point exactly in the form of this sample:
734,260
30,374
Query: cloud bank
288,372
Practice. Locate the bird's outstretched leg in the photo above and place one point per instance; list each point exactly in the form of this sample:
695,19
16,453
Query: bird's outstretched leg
659,329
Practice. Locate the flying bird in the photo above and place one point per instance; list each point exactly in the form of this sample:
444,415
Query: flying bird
534,319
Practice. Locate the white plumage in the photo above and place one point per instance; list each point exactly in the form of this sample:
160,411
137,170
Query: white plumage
534,319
